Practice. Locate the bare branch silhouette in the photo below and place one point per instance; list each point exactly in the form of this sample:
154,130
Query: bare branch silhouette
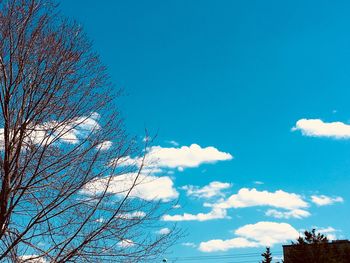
59,132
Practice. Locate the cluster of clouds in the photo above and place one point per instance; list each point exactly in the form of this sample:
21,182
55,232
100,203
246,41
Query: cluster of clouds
289,204
280,204
283,204
153,187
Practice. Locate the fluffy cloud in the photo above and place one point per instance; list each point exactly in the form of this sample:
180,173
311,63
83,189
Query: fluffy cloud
103,146
67,132
318,128
163,231
147,187
185,156
70,131
215,213
32,259
330,232
322,200
252,197
212,190
296,213
268,233
253,235
224,245
126,243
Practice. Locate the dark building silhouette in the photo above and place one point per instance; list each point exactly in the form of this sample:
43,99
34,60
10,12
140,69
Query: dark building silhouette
337,251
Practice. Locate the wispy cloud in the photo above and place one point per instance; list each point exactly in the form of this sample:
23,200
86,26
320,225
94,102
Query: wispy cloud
213,189
322,200
295,213
174,143
319,128
69,132
215,213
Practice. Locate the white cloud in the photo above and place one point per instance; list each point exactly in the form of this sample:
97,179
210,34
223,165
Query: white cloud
103,146
70,131
330,232
163,231
252,197
295,213
318,128
126,243
215,213
253,235
268,233
32,259
148,187
214,189
224,245
258,182
185,156
136,214
322,200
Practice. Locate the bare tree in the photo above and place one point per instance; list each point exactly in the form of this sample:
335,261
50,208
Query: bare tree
62,145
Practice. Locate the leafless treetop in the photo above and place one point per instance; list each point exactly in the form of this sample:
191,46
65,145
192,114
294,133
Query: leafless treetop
59,131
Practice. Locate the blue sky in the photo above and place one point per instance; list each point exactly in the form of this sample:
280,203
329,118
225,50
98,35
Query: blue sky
236,76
